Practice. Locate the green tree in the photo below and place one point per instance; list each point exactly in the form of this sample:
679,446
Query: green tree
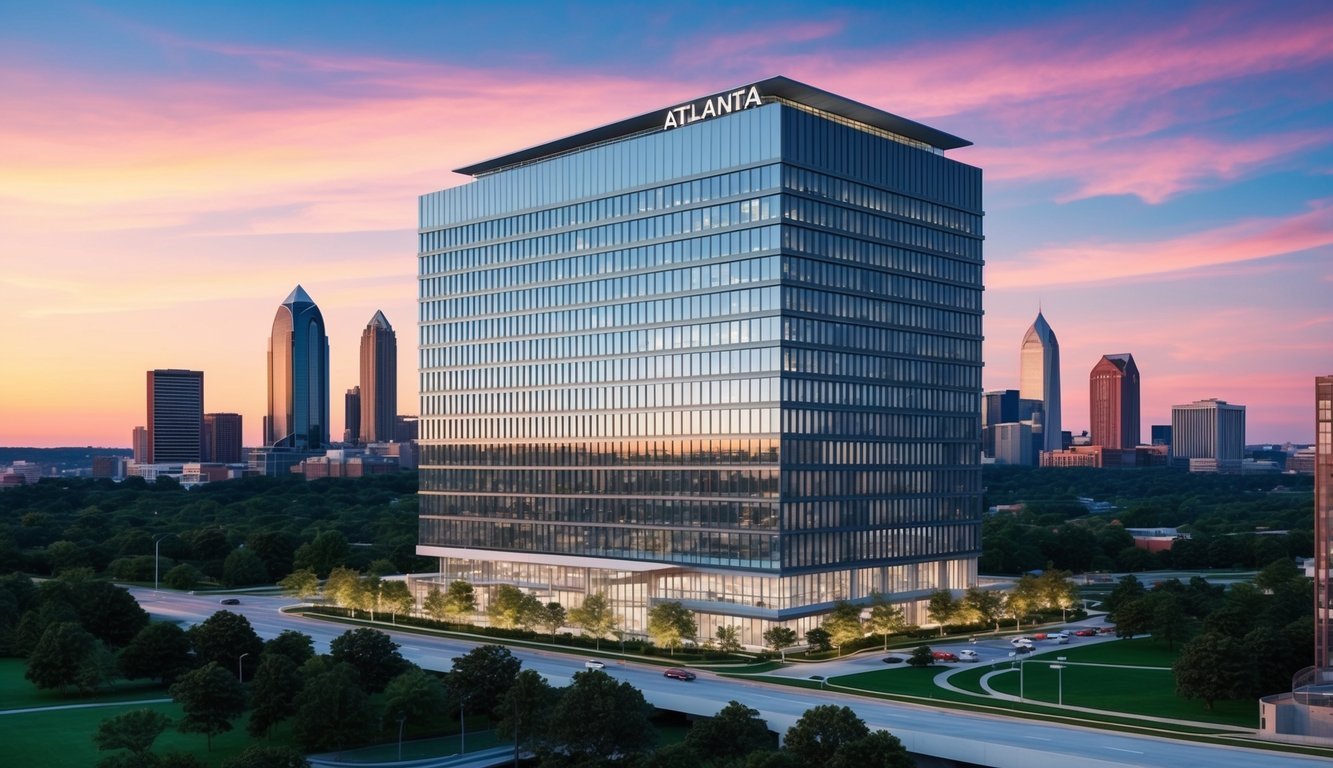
134,731
670,624
223,638
595,617
332,710
553,617
941,608
885,617
1128,589
160,651
294,645
480,678
985,604
728,639
210,698
819,640
921,657
415,696
301,583
264,756
843,624
780,638
1212,667
373,654
1134,617
110,613
396,598
1023,599
1277,573
275,548
183,577
1169,623
734,732
821,732
460,600
511,607
327,551
1058,591
524,709
243,568
98,668
434,604
273,692
880,749
345,588
599,718
59,656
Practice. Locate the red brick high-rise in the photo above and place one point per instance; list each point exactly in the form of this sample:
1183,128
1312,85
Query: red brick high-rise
1113,402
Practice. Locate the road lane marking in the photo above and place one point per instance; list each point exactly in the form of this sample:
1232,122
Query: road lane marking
1118,749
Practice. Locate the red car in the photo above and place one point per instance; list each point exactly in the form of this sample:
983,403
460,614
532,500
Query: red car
678,674
943,656
1085,632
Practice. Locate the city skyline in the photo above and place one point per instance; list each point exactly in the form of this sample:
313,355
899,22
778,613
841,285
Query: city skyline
1157,181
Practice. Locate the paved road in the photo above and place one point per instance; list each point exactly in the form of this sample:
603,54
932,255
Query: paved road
975,738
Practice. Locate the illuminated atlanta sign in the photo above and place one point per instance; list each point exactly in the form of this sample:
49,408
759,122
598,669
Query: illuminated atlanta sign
741,98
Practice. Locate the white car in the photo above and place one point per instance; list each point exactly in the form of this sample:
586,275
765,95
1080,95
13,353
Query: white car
968,654
1021,642
594,664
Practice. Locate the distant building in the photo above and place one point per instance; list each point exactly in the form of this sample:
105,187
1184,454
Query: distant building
1302,462
1161,434
404,429
298,376
109,467
352,416
139,441
1156,539
1105,458
379,380
998,407
1209,429
175,416
1039,379
30,471
346,463
1013,443
1113,402
222,438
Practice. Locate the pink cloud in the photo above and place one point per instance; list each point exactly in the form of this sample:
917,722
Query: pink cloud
1093,262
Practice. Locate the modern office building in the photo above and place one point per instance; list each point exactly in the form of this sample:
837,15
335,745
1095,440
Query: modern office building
379,380
1208,435
1161,434
1013,444
222,438
175,416
1039,379
298,376
1113,402
726,353
352,416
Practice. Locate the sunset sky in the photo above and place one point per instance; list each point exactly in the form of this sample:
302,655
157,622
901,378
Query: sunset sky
1158,176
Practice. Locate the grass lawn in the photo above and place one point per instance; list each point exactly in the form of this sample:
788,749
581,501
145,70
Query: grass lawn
17,693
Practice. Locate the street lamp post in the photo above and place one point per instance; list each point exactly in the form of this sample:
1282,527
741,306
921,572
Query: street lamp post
1060,678
239,659
156,559
401,719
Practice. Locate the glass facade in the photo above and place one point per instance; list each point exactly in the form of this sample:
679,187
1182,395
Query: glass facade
735,364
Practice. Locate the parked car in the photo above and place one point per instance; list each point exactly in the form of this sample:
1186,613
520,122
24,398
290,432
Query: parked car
1019,642
229,601
1107,630
967,654
594,664
943,656
894,659
678,674
1040,636
1085,632
1023,649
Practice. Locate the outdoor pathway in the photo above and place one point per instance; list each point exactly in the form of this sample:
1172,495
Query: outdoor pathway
90,705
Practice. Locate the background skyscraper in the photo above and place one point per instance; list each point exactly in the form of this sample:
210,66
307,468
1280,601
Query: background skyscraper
222,437
735,363
1323,522
140,443
298,376
352,416
1039,379
175,416
1113,402
379,380
1208,429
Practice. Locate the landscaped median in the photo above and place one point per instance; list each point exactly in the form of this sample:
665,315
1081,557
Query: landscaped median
1123,685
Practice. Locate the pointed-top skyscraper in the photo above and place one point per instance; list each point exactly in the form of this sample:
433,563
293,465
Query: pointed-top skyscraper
379,380
298,376
1039,379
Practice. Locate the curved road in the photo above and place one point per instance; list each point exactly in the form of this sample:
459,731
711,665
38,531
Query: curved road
974,738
